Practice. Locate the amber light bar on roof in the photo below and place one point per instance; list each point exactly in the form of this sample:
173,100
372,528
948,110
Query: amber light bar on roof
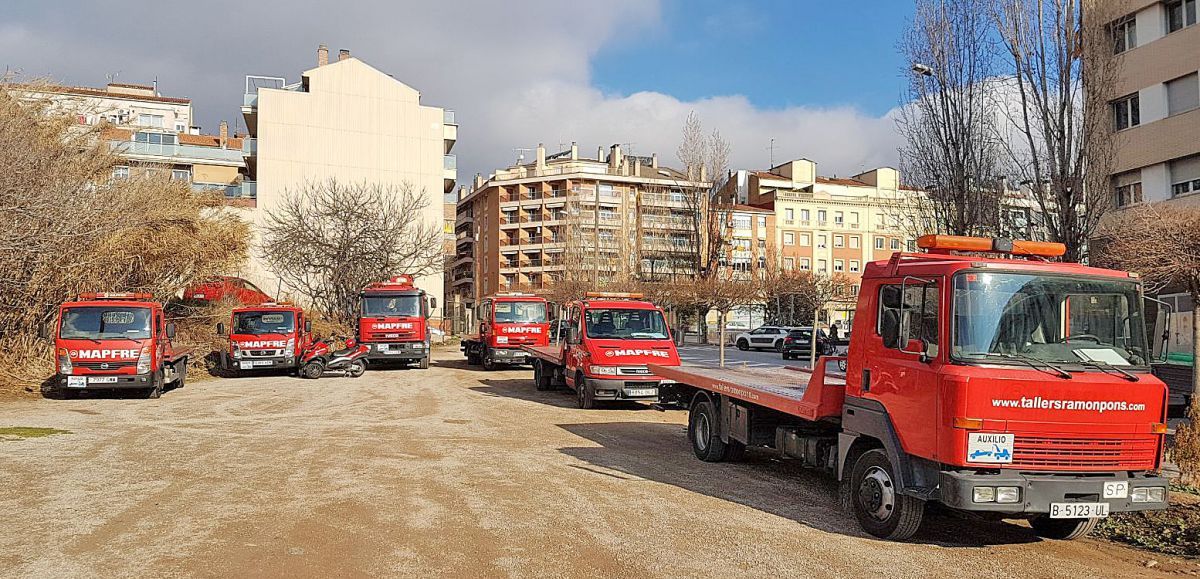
114,296
947,243
615,295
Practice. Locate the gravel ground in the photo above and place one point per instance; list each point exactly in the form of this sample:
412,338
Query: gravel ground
448,471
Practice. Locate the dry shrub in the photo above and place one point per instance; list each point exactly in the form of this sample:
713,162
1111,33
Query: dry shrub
66,226
1185,451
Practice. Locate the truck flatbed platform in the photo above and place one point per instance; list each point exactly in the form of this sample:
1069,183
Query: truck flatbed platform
551,353
809,395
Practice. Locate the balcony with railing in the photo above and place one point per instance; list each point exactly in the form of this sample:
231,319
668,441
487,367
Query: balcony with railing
243,190
177,153
249,146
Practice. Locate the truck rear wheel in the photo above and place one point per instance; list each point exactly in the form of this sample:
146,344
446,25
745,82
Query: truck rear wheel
424,363
541,378
706,438
472,355
878,504
1062,529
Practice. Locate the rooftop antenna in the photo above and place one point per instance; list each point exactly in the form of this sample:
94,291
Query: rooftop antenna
521,154
771,148
112,76
156,86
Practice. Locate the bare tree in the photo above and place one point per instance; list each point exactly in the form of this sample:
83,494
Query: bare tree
327,240
948,117
705,159
1065,73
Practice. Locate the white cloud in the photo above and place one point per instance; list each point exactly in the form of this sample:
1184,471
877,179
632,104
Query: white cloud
516,74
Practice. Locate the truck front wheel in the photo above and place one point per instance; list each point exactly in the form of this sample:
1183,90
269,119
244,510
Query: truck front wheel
156,390
584,397
878,504
706,439
1062,529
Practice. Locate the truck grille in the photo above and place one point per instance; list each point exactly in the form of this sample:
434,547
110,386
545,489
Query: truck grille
262,353
104,365
1085,453
634,371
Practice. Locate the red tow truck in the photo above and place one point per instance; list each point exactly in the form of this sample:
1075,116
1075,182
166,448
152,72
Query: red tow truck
507,321
990,381
603,349
393,321
265,337
111,341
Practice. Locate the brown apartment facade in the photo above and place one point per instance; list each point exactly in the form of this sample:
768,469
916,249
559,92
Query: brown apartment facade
526,226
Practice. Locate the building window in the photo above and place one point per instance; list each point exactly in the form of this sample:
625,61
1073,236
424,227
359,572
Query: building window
910,245
805,215
821,215
789,263
741,222
854,265
1124,34
805,264
789,215
762,244
854,241
1180,14
822,241
120,172
1185,175
805,239
822,266
156,138
762,262
762,221
839,265
150,120
1129,194
854,218
839,217
1183,94
181,175
895,243
839,241
878,243
854,290
789,238
1127,112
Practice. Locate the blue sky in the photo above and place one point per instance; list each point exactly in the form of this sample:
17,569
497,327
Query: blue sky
777,53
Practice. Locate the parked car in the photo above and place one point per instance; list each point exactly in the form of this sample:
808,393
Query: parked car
798,344
761,338
226,287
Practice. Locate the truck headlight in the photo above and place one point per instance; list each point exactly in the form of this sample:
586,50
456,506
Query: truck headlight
984,494
143,363
605,370
290,349
1008,495
64,363
1148,495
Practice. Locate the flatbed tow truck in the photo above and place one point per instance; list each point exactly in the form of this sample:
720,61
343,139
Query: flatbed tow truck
610,338
1005,386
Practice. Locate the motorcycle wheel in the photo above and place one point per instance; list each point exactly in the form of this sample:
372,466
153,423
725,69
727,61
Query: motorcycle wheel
357,368
312,370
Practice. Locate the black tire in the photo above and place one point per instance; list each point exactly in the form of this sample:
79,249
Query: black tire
842,364
356,369
743,345
312,370
542,380
704,434
881,509
584,397
156,390
472,356
778,345
181,381
1062,529
424,363
489,363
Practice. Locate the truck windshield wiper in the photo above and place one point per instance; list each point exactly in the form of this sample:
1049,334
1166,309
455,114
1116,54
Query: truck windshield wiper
1105,367
1029,361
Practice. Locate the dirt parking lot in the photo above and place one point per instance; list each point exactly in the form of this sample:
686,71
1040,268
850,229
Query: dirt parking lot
450,471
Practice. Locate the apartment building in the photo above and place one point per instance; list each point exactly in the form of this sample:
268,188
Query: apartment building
614,215
1156,116
152,132
831,225
349,121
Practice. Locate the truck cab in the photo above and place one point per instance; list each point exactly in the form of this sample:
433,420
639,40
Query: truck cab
506,322
609,340
393,321
265,337
116,341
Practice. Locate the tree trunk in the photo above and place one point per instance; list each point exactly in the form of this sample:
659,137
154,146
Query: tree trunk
812,342
1195,348
702,324
721,317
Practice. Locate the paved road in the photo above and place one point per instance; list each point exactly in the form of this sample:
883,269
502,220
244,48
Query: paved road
449,471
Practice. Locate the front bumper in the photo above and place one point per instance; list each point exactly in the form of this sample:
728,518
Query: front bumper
1039,490
509,356
396,351
648,388
243,364
111,382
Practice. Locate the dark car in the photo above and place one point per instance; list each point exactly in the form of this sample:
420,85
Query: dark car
798,344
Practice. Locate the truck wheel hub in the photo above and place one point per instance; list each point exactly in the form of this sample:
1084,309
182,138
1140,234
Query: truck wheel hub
876,494
702,431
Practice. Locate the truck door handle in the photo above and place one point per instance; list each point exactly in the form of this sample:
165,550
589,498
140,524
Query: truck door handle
866,380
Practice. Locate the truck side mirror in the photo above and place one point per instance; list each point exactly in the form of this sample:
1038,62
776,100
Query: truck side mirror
307,326
45,329
432,303
220,329
171,330
573,335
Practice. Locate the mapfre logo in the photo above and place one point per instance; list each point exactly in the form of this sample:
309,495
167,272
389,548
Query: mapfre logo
637,352
521,330
262,344
98,354
394,326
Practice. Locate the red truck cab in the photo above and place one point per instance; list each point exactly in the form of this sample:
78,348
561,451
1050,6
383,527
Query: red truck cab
393,321
264,337
607,342
506,322
116,341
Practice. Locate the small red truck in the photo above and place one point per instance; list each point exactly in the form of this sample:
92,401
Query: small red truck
507,322
603,348
110,341
990,381
393,321
265,337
